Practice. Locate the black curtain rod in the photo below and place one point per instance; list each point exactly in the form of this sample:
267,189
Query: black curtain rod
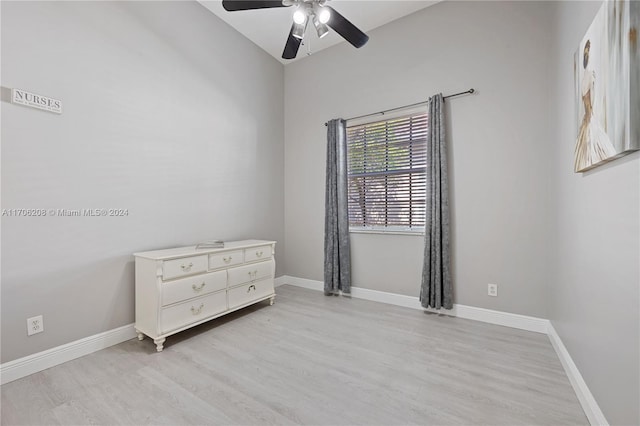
472,90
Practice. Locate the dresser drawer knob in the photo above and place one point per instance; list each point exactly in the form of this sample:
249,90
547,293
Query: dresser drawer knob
186,268
259,253
198,288
251,286
196,311
227,259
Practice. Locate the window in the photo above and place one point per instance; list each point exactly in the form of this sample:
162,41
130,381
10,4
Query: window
386,163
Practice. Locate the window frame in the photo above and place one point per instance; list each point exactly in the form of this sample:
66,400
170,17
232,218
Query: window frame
381,118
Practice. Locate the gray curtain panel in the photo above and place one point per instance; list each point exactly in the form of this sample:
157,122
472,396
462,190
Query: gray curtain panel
435,291
337,257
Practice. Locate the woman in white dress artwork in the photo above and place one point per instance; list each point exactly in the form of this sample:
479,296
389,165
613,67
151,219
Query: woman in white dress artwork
593,144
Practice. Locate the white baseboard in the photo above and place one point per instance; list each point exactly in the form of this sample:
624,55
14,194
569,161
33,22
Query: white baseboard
13,370
522,322
279,281
588,402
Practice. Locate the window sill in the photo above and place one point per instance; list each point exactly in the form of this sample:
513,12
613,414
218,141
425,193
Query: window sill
381,232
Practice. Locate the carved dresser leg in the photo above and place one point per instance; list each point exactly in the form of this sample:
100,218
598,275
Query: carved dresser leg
159,344
271,300
140,335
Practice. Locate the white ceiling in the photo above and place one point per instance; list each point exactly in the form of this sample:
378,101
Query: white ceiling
269,28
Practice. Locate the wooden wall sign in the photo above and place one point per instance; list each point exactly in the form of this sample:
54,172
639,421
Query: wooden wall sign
22,97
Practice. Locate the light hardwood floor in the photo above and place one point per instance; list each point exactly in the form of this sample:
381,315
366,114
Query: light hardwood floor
309,359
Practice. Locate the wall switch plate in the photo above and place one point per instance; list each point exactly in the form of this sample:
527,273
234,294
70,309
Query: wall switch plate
35,325
492,290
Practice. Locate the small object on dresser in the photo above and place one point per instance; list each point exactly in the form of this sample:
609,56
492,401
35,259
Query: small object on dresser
210,244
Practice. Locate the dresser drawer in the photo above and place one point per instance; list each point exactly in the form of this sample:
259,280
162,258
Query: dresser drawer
257,253
247,293
188,288
193,311
223,260
249,273
183,267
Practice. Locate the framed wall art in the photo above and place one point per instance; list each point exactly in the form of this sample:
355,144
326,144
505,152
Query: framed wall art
607,85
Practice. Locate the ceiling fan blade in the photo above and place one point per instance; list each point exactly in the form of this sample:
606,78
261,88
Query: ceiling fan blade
346,29
235,5
292,46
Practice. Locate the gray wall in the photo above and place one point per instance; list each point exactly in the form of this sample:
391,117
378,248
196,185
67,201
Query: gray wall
179,128
595,280
180,124
499,148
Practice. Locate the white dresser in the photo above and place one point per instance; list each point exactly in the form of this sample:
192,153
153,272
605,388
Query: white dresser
182,287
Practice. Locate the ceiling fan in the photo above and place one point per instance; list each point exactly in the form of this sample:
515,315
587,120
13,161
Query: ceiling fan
306,10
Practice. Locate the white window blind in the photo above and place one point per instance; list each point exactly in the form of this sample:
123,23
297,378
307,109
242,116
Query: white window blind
386,163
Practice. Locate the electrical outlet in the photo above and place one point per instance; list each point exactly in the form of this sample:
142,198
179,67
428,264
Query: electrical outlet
492,290
35,325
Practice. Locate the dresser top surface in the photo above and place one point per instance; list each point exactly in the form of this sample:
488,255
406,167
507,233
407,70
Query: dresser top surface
173,253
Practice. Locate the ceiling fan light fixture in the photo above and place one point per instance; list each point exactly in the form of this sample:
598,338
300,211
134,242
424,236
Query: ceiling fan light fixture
299,30
321,28
324,15
299,17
